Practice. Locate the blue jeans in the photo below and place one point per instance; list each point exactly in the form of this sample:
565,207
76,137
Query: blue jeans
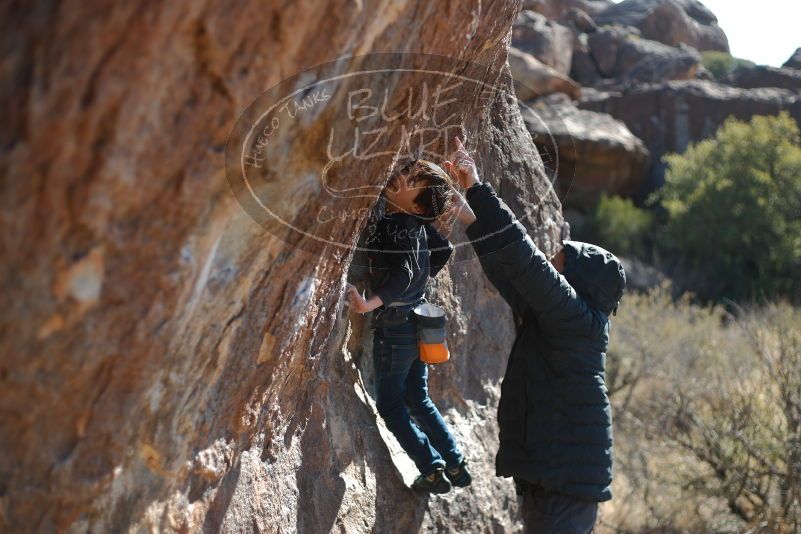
402,395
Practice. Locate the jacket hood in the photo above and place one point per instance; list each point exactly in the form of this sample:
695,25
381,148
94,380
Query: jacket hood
596,275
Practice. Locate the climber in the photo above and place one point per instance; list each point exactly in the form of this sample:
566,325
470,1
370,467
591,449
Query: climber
404,250
554,415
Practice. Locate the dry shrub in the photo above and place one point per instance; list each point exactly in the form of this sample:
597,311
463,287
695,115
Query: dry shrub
707,417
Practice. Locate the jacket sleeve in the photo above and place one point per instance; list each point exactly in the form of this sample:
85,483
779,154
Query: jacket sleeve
519,270
440,250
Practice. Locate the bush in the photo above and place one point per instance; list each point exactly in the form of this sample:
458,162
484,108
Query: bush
733,205
744,423
619,226
707,411
722,63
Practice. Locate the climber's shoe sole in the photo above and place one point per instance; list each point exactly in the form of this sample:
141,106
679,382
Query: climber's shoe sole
434,482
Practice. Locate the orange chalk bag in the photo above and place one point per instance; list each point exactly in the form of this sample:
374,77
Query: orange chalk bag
431,340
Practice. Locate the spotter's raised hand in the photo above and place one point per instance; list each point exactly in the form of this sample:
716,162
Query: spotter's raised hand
461,166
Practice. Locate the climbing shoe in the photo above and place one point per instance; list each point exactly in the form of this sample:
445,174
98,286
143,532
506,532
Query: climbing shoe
434,482
459,475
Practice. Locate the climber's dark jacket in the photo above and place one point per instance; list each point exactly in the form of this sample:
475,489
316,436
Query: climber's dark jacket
398,253
554,415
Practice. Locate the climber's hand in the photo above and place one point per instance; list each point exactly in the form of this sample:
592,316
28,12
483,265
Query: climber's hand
461,166
357,302
355,299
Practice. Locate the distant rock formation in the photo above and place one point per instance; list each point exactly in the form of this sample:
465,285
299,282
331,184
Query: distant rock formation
534,79
629,59
672,22
558,9
754,76
591,152
671,115
625,58
794,62
546,40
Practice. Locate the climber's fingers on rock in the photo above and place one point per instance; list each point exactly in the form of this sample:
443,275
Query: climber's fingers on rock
461,150
457,153
460,160
450,169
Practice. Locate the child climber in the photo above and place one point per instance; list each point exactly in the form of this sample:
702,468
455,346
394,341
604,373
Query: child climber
404,250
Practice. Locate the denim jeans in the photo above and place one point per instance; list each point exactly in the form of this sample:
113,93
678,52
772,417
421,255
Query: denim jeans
403,402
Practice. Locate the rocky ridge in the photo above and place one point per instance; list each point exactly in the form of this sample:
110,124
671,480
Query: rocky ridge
636,63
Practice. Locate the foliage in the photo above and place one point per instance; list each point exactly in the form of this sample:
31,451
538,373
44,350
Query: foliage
721,63
619,226
707,411
733,206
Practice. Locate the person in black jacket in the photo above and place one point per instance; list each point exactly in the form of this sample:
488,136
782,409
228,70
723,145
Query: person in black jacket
554,416
404,249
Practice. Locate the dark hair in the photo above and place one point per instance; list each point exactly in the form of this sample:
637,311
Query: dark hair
436,189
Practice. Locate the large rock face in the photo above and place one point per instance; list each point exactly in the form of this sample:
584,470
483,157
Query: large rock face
670,115
533,79
622,54
672,22
165,363
548,41
594,152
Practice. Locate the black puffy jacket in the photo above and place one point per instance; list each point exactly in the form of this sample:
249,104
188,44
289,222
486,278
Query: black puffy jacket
554,415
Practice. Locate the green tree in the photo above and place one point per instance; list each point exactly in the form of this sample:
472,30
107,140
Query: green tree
620,226
733,206
721,63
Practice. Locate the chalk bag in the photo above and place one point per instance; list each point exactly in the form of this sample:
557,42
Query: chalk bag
431,333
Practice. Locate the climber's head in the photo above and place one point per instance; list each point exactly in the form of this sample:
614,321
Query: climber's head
421,188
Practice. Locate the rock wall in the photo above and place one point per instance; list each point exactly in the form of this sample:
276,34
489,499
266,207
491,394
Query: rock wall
167,364
597,151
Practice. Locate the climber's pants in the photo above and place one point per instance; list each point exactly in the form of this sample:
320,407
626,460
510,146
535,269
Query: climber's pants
547,512
403,402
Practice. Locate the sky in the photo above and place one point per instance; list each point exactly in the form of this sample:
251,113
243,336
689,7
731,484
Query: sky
766,32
